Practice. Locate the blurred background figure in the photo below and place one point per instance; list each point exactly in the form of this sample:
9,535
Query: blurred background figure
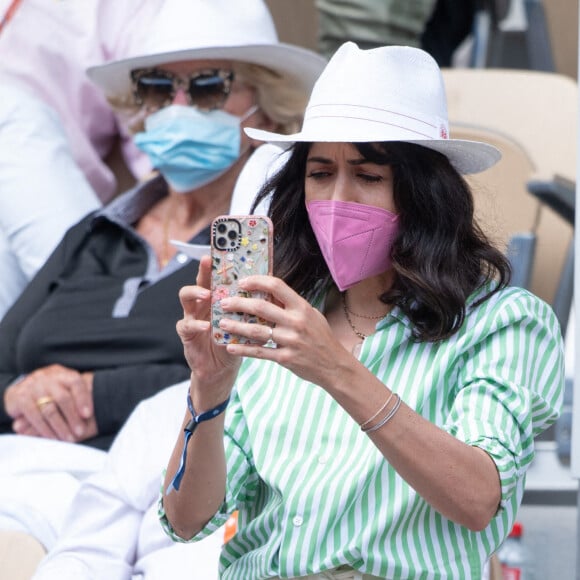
62,150
371,23
450,23
42,189
437,26
103,309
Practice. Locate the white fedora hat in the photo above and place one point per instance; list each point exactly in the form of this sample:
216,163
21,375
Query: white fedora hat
240,30
392,93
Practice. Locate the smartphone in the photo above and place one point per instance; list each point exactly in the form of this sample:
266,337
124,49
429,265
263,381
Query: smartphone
240,246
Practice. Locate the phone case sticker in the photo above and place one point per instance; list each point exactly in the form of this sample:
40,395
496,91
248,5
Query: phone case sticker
241,246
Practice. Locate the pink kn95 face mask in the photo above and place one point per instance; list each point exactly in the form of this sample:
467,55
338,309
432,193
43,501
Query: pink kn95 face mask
355,239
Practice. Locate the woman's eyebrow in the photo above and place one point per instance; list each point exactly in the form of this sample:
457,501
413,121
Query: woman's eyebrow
318,160
358,161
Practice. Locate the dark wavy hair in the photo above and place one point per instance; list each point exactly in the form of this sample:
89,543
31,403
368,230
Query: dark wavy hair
440,256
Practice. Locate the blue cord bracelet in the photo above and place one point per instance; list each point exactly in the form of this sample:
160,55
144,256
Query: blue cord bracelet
188,432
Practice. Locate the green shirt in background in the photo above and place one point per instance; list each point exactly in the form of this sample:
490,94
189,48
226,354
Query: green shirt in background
371,23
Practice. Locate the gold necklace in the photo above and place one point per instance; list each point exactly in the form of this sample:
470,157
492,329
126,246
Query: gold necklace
166,249
360,315
360,334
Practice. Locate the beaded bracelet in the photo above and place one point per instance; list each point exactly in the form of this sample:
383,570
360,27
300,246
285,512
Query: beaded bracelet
188,432
386,418
383,407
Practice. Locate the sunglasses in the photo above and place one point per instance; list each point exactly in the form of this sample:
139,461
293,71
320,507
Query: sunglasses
206,90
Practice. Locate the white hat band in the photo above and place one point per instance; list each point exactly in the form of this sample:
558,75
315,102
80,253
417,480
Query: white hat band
366,122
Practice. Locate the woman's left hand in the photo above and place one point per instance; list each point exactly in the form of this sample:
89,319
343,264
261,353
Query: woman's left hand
305,343
53,402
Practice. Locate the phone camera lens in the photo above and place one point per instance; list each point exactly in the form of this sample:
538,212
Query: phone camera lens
221,242
222,228
232,234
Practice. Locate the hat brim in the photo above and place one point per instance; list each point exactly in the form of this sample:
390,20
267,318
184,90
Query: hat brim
466,156
301,65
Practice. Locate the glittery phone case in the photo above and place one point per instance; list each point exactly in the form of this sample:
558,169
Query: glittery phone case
240,246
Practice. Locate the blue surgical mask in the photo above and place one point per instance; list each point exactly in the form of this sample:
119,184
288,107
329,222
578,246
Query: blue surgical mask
191,148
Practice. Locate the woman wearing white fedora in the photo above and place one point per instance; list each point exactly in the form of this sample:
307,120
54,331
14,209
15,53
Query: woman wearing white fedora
94,332
388,433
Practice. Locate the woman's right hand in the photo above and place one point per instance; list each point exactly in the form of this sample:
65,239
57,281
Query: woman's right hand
213,369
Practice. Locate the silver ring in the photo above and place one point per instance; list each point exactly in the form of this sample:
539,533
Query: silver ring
271,337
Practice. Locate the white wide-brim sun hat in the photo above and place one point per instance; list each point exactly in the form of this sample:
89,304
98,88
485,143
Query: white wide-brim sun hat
391,93
212,30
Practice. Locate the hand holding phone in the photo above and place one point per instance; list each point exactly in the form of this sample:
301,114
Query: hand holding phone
240,246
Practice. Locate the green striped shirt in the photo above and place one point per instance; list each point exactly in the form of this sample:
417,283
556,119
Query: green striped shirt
312,490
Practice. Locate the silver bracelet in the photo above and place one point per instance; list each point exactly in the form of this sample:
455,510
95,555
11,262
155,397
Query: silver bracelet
383,407
387,417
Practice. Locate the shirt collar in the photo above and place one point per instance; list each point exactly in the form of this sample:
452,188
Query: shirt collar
132,205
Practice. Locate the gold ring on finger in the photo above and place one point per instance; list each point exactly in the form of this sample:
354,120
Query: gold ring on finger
43,401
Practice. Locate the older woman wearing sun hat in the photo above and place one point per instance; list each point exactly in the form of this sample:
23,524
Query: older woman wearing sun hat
381,422
94,333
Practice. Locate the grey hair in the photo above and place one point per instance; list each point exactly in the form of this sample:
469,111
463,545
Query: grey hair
277,96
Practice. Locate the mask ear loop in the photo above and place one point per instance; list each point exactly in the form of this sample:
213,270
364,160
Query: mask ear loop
253,109
135,120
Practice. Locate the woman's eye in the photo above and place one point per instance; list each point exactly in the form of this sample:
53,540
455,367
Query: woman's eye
370,178
318,174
